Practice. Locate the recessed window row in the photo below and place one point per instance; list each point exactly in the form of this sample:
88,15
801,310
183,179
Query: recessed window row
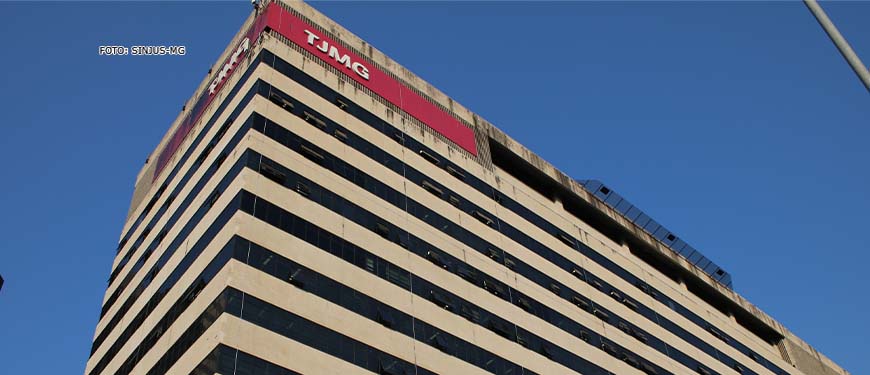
280,175
175,244
415,146
177,168
251,309
179,306
421,248
179,237
442,298
119,315
229,297
437,221
143,257
294,327
226,360
188,174
313,282
317,284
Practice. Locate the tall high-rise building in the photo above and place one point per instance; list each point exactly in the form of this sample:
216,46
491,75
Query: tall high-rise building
318,209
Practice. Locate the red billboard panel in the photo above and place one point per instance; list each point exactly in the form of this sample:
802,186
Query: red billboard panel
339,57
361,71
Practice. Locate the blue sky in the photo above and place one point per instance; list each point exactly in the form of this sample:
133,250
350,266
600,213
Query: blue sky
737,125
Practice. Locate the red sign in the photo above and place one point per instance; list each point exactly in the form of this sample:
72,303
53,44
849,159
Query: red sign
334,54
361,71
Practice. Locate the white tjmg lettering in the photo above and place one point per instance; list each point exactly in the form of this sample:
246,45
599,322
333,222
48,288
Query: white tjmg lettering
333,53
361,70
231,63
311,37
343,59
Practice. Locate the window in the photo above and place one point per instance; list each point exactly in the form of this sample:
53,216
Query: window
756,357
623,327
716,333
384,317
630,360
455,201
391,367
455,172
615,295
432,188
431,158
309,153
220,159
509,263
340,134
703,371
302,189
630,304
204,154
498,327
296,279
160,237
580,302
566,239
523,304
313,120
469,313
545,351
578,273
467,274
440,299
213,199
271,173
223,130
609,349
639,336
492,254
382,229
648,369
642,286
646,288
279,100
522,340
436,258
493,287
341,103
439,341
496,196
480,216
555,288
399,137
584,335
601,314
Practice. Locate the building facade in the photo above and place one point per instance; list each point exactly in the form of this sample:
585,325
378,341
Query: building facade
318,209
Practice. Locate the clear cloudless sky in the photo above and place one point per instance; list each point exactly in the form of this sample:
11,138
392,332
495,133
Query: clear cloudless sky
737,125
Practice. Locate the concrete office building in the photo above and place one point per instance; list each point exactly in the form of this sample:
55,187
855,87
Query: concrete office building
318,209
